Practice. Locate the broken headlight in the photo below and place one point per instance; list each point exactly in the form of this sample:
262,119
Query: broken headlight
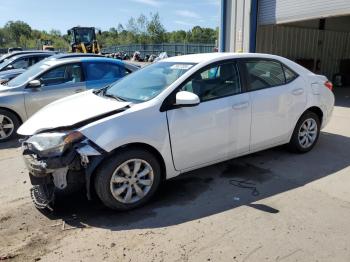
52,144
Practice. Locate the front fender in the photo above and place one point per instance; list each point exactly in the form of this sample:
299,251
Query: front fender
135,125
14,102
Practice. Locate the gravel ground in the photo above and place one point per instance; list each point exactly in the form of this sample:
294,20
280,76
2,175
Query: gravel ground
301,212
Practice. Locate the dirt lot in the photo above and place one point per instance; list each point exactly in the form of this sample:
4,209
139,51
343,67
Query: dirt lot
301,212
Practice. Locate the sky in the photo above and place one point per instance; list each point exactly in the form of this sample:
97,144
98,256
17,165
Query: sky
104,14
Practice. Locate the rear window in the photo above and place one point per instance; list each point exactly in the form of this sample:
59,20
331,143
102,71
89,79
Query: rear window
264,73
289,74
103,71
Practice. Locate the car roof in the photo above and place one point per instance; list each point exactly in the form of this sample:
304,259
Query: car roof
52,62
67,55
208,57
16,53
28,52
31,54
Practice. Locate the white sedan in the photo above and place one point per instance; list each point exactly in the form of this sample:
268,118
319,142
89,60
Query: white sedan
171,117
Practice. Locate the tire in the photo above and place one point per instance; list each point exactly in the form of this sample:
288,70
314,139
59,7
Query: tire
108,191
8,119
296,143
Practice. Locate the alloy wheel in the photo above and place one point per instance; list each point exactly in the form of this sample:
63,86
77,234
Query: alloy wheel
6,127
131,181
307,133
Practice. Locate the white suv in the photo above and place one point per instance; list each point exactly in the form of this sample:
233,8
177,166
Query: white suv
173,116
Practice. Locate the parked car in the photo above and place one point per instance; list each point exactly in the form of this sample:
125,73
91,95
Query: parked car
14,49
49,80
7,75
23,61
9,55
171,117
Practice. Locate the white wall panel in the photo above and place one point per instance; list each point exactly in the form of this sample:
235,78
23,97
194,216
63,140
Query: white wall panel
284,11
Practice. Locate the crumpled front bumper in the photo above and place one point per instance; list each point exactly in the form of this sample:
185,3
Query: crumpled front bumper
41,166
74,166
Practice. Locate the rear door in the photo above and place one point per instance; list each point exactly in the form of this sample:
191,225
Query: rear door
278,98
58,82
98,74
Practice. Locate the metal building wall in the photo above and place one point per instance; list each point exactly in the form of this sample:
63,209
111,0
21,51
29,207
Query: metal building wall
236,25
284,11
302,43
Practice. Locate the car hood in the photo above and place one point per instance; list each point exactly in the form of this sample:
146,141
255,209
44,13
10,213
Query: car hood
5,90
4,74
71,112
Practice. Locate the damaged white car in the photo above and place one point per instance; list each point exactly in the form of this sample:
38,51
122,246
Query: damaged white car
177,115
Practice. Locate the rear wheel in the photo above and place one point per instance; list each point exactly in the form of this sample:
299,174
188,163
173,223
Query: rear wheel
9,124
306,133
128,179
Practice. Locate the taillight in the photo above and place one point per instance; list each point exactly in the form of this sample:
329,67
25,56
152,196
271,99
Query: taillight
329,85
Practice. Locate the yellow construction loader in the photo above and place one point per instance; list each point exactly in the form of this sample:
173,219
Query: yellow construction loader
47,45
83,40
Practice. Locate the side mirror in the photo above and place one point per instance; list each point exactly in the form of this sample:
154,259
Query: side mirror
9,67
185,98
34,83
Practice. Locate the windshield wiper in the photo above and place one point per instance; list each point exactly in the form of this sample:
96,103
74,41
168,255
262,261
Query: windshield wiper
103,92
114,96
97,91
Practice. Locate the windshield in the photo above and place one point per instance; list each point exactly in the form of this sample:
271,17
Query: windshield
148,82
3,57
85,35
6,62
28,74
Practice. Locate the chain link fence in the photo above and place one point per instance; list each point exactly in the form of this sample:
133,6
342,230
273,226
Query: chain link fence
171,49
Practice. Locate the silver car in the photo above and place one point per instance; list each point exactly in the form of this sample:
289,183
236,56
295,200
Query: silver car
23,61
50,80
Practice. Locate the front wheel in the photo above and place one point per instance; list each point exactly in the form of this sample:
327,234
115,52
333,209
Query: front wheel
128,179
306,133
9,124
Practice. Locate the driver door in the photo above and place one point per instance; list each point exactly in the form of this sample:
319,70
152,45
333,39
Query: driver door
56,83
217,128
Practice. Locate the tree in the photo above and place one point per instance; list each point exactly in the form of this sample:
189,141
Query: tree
120,28
156,29
16,30
55,32
142,24
140,30
2,38
177,36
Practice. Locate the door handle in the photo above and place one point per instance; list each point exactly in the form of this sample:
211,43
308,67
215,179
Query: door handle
79,90
298,91
240,105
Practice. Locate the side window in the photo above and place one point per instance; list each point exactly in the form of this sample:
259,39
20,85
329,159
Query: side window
37,59
264,73
214,82
70,73
289,74
21,63
103,71
127,71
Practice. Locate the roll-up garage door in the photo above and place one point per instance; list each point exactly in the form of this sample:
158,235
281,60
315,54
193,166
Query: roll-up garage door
284,11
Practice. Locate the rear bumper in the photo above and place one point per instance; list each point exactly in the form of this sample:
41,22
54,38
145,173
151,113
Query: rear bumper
327,117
